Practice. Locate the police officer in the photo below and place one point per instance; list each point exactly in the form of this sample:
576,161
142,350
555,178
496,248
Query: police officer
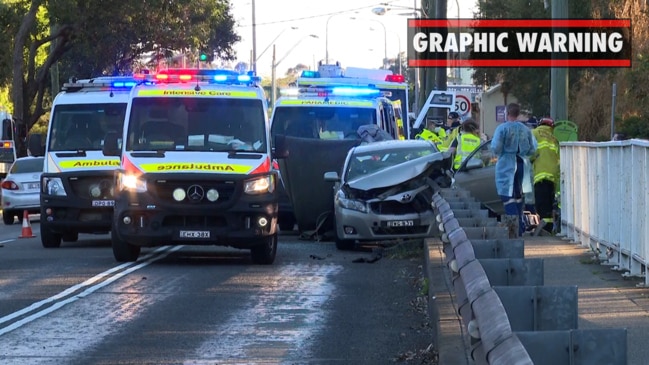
466,142
546,171
453,124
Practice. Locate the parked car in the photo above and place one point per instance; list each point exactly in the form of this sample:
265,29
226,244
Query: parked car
21,188
385,190
477,174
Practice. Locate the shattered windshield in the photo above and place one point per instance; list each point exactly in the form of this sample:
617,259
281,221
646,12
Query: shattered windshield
367,163
84,126
196,124
321,122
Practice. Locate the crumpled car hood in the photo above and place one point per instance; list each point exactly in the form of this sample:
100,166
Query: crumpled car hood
400,173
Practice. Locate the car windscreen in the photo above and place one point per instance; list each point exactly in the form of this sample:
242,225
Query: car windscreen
196,124
27,165
366,163
84,126
321,122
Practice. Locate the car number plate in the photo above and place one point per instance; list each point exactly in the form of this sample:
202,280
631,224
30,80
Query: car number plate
406,223
103,203
34,186
194,234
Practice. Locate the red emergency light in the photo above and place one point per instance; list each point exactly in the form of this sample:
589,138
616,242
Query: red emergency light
395,78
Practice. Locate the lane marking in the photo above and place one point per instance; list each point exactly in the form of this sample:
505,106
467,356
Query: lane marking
101,279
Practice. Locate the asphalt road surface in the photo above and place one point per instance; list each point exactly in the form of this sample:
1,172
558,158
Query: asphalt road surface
209,305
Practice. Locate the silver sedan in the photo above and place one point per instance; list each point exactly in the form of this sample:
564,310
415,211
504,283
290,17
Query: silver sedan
21,188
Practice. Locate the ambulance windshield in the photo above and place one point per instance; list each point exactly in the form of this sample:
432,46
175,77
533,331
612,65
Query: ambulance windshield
321,122
83,127
196,124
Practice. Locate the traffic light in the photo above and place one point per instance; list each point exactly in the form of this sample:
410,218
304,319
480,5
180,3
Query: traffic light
203,57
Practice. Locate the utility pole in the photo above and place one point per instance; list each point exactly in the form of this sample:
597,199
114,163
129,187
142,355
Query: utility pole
559,75
254,40
273,81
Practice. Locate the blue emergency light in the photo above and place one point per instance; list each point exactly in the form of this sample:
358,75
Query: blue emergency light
310,74
123,84
355,91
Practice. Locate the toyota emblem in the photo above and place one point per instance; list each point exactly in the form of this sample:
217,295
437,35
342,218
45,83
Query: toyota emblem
195,193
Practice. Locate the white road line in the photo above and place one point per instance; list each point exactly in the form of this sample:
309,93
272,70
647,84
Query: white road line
103,278
5,241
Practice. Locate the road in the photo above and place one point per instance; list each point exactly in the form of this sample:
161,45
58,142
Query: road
208,305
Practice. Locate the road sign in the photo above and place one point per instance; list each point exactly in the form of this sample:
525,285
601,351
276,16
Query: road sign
463,105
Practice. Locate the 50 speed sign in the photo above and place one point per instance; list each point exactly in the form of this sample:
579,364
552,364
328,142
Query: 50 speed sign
462,105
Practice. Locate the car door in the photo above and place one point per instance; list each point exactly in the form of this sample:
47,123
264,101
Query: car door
477,174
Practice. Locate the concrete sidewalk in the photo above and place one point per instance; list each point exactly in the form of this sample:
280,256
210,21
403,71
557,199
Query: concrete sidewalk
605,300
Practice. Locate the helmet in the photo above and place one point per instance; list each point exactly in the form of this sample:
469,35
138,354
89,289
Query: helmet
453,115
547,121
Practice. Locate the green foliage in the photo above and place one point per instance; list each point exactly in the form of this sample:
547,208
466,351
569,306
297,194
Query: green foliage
635,127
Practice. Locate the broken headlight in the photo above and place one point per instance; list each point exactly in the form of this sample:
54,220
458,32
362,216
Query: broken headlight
352,204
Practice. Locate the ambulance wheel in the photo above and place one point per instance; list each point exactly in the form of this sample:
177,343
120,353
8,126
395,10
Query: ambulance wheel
71,237
50,239
8,217
265,253
122,250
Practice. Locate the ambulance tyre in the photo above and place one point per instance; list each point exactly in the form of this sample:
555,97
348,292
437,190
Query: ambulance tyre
71,237
264,254
122,250
50,239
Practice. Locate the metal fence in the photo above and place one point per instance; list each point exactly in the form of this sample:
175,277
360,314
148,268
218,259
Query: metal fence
604,190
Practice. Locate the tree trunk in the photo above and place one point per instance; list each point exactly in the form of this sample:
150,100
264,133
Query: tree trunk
18,81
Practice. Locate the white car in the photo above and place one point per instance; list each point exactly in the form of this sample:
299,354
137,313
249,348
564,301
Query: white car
21,189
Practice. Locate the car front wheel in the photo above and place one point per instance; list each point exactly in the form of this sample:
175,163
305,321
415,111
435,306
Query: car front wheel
122,250
71,237
8,217
265,253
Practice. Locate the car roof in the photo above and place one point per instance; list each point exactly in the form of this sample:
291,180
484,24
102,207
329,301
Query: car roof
392,144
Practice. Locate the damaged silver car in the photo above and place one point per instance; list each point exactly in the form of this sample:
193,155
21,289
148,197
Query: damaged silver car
385,191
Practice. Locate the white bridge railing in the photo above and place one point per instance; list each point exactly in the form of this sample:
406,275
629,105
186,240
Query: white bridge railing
604,191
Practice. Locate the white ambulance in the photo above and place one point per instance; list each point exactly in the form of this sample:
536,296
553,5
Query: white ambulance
195,166
316,127
77,183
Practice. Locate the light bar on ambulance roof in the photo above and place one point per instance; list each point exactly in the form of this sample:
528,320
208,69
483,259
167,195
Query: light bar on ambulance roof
349,91
395,78
106,83
219,76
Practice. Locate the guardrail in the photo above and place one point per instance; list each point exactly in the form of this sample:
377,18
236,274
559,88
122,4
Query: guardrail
508,313
604,201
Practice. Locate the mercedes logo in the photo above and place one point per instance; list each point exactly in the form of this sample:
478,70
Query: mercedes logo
195,193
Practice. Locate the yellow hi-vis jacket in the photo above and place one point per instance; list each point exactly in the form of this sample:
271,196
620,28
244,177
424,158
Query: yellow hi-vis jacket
429,136
546,162
450,137
466,143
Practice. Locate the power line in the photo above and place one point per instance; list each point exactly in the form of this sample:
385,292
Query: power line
318,16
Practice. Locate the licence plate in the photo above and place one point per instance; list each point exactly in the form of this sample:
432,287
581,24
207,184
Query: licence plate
406,223
34,186
194,234
103,203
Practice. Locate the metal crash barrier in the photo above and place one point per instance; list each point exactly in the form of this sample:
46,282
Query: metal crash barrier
508,314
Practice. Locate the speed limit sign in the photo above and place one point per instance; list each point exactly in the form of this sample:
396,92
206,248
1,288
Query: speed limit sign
462,105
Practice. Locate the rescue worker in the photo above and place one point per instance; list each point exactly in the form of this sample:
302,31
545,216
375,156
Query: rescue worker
546,171
465,143
433,133
453,129
513,143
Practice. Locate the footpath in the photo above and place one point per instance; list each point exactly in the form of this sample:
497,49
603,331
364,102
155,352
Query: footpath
606,299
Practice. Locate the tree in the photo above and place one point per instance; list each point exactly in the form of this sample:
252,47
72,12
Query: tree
297,70
97,37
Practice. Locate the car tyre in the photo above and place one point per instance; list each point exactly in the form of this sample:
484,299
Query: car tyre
264,254
344,245
8,217
122,250
50,239
71,237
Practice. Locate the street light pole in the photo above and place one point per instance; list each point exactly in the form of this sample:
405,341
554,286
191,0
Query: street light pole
254,40
273,82
327,38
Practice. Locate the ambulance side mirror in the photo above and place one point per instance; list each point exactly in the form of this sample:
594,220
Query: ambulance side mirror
111,145
280,150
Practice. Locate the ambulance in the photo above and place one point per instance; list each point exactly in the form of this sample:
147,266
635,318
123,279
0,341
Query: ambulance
314,128
195,166
77,187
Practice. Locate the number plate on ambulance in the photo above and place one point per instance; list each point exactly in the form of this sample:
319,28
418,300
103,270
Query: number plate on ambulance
408,223
194,234
103,203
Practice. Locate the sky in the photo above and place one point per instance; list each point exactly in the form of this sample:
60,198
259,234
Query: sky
355,36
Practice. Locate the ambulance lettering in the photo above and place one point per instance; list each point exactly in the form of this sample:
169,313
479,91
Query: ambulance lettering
88,163
197,166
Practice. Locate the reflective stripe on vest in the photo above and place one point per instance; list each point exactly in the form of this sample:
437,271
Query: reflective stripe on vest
543,176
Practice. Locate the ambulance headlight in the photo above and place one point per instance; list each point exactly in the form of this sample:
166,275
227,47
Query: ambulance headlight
54,186
260,185
131,183
212,195
179,194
